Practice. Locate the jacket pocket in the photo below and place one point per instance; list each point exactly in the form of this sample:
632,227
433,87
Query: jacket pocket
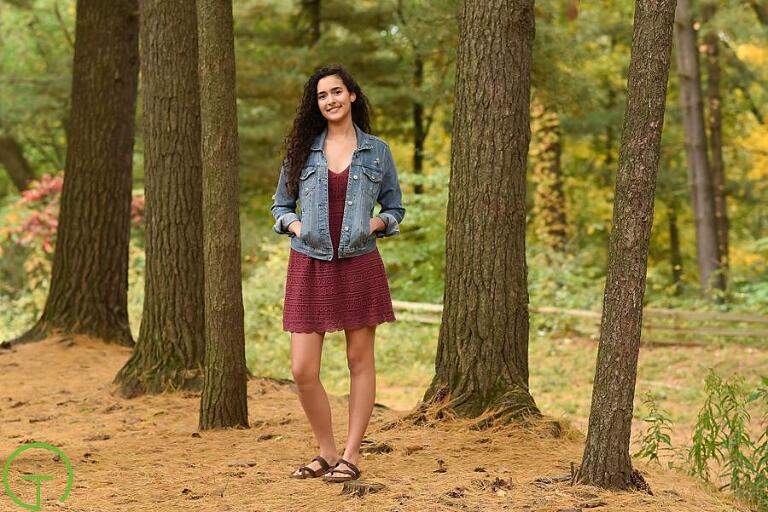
372,183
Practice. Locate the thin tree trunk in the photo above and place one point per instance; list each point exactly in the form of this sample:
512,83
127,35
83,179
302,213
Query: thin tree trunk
482,353
549,199
224,397
714,102
88,292
419,134
675,257
699,172
311,10
12,158
170,349
606,461
761,10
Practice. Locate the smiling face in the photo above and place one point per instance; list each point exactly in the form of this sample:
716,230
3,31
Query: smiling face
333,98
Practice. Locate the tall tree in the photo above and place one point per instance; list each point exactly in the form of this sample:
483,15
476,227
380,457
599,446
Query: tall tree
699,173
606,461
170,348
482,353
715,122
224,397
88,292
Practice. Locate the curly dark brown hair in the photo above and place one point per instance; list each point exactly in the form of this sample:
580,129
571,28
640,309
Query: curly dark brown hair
309,121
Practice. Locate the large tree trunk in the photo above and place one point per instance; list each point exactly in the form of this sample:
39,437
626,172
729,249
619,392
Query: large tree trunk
224,398
482,353
699,173
170,349
606,461
715,121
549,199
88,293
12,158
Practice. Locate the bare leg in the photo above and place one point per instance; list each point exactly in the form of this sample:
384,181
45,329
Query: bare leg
362,393
306,351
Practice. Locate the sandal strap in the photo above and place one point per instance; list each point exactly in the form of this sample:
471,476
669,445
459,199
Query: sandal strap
304,469
323,463
355,469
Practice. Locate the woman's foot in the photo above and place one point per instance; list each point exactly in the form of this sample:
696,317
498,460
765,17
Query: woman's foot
318,467
344,470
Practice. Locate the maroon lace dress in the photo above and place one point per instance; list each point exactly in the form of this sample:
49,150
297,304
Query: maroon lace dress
346,293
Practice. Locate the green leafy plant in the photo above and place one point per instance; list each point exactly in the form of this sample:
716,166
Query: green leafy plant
722,437
656,437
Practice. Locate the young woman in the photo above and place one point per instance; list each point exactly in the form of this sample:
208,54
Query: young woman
336,280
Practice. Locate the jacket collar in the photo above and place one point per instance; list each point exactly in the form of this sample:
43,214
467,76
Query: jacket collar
363,139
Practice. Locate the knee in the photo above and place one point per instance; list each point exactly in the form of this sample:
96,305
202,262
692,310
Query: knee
359,362
305,375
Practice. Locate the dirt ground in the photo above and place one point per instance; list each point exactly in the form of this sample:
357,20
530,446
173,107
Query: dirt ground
146,454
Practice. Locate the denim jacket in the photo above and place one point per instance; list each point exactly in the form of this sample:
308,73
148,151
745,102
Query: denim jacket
372,178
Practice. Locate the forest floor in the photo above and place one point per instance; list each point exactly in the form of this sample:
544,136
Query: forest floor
146,453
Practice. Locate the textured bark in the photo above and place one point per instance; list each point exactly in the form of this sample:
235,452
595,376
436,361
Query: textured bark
12,158
224,398
715,122
699,173
549,199
482,353
88,292
606,461
170,349
675,256
419,133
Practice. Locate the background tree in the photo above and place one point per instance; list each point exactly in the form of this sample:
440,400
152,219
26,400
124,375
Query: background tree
606,461
224,398
699,172
170,349
88,292
482,353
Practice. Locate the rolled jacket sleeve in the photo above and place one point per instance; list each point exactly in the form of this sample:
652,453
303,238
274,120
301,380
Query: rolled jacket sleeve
283,207
390,197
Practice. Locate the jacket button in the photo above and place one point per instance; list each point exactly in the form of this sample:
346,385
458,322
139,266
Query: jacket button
354,176
346,228
349,202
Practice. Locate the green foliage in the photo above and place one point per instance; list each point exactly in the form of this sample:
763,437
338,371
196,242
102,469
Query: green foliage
722,436
656,438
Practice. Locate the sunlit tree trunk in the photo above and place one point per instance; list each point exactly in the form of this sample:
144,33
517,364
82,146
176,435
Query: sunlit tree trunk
606,462
482,354
89,283
224,397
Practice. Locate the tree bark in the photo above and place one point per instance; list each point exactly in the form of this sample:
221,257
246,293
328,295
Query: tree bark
88,292
419,133
224,398
715,121
12,158
549,199
606,461
170,349
699,173
482,354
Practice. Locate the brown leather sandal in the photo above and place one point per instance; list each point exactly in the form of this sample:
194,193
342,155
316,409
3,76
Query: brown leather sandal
353,473
308,472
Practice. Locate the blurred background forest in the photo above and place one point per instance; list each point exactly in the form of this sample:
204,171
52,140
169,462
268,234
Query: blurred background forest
403,53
